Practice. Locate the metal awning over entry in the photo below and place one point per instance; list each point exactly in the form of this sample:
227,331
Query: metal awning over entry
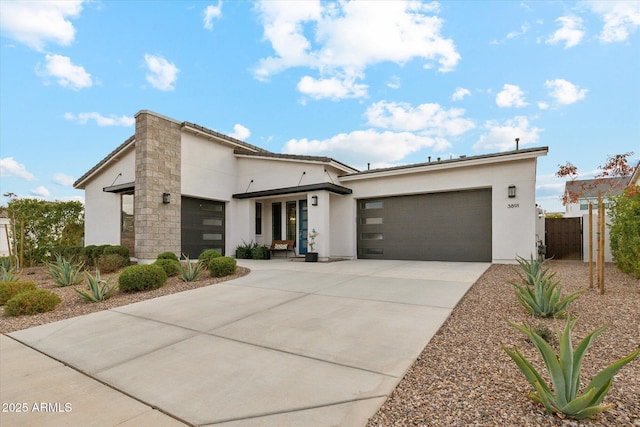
449,226
327,186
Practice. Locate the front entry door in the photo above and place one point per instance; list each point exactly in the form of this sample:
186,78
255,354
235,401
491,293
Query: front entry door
303,230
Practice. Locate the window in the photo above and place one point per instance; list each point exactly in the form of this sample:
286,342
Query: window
291,221
276,220
371,236
372,205
258,218
370,221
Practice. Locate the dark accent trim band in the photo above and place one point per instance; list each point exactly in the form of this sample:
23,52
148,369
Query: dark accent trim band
120,188
334,188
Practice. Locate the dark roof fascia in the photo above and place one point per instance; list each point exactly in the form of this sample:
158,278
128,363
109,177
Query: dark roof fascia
438,163
120,188
328,186
225,138
80,181
278,156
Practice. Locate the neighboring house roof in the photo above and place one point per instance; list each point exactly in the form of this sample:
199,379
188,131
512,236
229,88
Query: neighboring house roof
320,159
450,163
635,178
589,188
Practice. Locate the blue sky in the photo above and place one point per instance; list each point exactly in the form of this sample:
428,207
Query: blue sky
377,82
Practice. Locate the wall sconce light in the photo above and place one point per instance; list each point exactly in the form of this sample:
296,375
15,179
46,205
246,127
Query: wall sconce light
314,200
166,198
512,191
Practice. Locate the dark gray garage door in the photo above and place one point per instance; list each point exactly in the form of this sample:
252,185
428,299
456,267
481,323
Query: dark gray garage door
452,226
202,226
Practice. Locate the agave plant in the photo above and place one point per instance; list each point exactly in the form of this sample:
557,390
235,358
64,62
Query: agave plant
540,294
64,272
564,371
9,274
99,290
191,272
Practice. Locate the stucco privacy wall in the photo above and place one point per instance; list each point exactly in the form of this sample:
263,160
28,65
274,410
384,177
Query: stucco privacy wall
513,219
158,156
103,210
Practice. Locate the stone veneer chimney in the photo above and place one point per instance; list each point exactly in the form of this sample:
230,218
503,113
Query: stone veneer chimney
157,225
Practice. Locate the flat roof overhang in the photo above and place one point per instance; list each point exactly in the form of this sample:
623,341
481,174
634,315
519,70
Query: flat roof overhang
323,186
120,188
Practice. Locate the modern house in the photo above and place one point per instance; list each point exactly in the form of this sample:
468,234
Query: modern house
179,187
581,192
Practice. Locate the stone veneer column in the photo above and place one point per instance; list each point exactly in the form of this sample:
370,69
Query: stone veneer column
157,225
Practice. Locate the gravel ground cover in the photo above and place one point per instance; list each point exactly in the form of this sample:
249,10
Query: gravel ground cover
73,305
464,378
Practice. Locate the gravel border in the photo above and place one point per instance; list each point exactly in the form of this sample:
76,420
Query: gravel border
464,378
73,305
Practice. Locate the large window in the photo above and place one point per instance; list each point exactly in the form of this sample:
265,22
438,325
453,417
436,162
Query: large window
127,230
258,218
276,220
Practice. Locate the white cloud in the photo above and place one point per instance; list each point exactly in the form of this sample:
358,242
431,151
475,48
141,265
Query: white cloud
240,132
112,120
621,19
460,93
366,146
502,136
333,88
565,92
35,23
571,32
9,167
210,13
394,82
62,179
68,75
426,119
341,39
543,105
510,96
524,28
41,191
162,74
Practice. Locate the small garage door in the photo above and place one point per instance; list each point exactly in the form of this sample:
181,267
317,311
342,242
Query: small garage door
451,226
203,223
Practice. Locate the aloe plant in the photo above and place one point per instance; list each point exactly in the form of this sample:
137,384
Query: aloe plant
564,371
64,272
99,290
191,272
540,294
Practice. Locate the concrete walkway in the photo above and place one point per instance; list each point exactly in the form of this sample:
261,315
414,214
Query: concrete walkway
290,344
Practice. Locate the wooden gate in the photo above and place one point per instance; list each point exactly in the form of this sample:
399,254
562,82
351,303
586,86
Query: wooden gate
563,237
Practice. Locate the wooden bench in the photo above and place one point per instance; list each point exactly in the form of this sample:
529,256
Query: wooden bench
282,246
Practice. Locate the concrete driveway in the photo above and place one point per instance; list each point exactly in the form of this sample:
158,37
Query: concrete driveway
290,344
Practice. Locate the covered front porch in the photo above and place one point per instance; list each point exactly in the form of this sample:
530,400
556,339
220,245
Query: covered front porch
293,213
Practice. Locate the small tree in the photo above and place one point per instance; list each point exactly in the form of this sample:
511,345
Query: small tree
46,225
625,231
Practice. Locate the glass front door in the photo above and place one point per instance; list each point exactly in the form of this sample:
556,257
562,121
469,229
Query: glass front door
303,230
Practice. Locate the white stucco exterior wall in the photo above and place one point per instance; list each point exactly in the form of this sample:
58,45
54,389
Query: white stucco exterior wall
103,210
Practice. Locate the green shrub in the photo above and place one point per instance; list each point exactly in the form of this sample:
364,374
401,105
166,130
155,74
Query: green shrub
68,252
141,278
64,272
625,232
5,262
222,266
564,371
245,250
190,271
123,251
9,290
207,255
260,252
90,255
170,266
108,263
31,302
99,290
168,255
539,293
